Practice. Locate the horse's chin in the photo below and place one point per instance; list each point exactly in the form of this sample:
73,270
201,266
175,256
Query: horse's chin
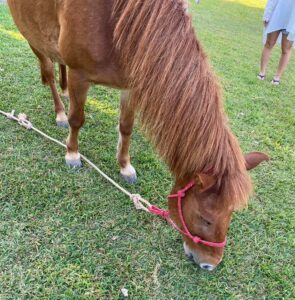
192,255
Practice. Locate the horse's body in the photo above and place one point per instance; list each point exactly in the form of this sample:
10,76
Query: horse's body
149,50
74,33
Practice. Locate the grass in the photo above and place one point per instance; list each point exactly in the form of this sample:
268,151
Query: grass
69,235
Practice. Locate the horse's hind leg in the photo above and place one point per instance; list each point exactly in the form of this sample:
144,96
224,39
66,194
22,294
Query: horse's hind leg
125,131
78,88
63,80
47,75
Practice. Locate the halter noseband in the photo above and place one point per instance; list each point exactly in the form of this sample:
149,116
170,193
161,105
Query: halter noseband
165,214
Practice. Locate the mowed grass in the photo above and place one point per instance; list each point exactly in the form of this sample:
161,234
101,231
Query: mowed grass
68,234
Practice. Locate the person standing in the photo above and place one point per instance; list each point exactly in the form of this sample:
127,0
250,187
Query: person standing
279,26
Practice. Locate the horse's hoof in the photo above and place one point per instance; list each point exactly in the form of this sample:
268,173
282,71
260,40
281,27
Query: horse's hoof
129,174
62,124
62,120
74,163
131,179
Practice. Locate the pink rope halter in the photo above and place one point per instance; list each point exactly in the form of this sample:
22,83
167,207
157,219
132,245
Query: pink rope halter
165,214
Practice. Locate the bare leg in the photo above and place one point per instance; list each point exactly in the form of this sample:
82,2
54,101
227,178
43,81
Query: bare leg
63,80
125,131
47,74
285,57
78,88
266,52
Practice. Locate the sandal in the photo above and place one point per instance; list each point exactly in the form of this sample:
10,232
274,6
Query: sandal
275,82
260,77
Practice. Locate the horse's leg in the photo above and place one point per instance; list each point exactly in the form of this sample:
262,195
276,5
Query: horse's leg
63,80
47,75
78,88
125,131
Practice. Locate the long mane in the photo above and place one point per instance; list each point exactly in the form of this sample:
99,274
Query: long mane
177,94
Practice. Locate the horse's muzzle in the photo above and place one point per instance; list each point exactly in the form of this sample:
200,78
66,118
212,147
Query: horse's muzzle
205,265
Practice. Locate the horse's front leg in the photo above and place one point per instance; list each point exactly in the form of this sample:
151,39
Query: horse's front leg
78,88
125,131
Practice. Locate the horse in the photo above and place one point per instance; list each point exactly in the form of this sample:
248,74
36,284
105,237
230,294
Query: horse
150,51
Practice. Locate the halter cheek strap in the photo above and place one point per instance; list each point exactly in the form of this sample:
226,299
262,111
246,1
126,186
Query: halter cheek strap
165,214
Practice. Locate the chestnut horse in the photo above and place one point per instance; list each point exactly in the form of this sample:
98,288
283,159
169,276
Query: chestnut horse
149,50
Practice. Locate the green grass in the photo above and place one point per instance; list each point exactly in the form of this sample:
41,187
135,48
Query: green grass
68,234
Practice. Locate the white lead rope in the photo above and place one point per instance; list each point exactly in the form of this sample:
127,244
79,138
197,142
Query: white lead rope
139,202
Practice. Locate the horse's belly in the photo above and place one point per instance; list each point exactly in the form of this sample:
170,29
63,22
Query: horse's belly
38,22
48,47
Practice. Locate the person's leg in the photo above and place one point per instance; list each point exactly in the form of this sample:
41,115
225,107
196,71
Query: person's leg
266,52
285,57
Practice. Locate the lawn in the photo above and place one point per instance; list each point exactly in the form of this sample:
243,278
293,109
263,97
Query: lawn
68,234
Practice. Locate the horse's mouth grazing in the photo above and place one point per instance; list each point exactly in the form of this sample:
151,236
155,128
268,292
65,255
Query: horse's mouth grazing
194,258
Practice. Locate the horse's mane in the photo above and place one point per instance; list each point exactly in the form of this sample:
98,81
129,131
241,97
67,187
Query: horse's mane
176,93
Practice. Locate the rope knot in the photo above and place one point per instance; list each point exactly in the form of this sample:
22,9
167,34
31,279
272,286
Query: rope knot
22,120
10,115
196,239
138,202
181,194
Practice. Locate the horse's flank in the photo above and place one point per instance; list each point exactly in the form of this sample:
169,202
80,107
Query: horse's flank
177,95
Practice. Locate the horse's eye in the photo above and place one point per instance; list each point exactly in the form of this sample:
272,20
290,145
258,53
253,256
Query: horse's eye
206,222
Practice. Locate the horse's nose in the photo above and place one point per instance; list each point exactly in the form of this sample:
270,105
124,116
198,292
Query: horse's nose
207,267
205,263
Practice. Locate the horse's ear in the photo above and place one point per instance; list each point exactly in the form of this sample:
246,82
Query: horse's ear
253,159
205,182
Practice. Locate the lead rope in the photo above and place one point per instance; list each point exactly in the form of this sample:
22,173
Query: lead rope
139,202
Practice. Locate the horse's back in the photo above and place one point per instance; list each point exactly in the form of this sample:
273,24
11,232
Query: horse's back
73,32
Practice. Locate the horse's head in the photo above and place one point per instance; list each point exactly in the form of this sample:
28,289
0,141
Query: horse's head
203,211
